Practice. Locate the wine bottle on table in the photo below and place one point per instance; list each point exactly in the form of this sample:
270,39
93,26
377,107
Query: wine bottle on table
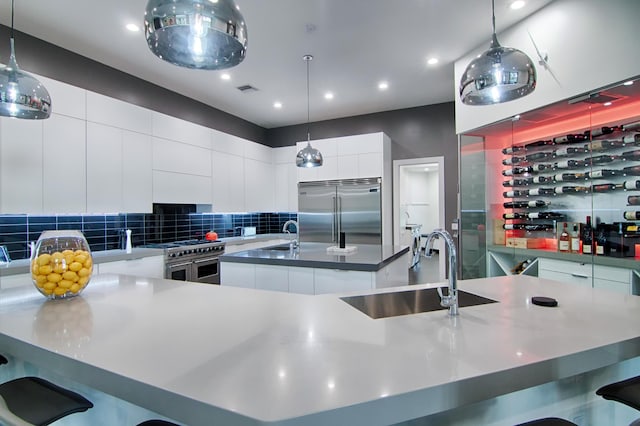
601,240
587,237
575,239
563,241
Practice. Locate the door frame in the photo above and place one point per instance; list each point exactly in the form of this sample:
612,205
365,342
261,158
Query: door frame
397,165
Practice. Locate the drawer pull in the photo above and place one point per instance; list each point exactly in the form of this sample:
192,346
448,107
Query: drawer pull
579,276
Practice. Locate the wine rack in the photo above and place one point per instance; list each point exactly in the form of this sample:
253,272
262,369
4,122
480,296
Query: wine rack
542,179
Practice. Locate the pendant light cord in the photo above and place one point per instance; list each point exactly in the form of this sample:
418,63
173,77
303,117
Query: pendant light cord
308,58
12,18
493,15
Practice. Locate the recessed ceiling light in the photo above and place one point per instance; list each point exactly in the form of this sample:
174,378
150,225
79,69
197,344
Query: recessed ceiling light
607,104
426,169
628,83
277,105
225,76
328,96
432,61
383,85
517,4
133,27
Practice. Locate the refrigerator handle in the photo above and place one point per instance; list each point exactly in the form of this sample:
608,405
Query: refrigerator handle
334,223
339,215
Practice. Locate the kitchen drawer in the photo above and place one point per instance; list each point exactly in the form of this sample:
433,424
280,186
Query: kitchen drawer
572,278
275,278
617,286
567,267
610,273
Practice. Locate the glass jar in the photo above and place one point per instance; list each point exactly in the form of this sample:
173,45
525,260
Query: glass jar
61,264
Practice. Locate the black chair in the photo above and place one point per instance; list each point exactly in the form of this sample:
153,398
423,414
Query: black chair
39,401
157,423
625,391
548,421
3,360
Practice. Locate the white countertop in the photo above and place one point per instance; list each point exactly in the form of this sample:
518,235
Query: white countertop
204,354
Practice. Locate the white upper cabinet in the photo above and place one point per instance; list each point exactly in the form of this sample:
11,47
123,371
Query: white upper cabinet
176,129
104,168
113,112
230,144
258,183
21,165
169,187
66,99
137,174
179,157
64,182
285,176
228,182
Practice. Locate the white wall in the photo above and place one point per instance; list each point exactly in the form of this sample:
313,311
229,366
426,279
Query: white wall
590,43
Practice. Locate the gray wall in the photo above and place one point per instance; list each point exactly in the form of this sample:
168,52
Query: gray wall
427,131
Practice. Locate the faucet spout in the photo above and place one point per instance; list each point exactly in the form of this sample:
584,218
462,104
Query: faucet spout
450,300
293,243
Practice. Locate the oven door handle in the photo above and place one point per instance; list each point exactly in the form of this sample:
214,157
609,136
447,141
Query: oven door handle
198,261
178,265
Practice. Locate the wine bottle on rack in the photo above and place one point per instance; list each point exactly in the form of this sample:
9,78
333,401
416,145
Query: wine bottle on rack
631,215
514,193
513,160
571,189
562,177
537,156
633,200
514,215
544,215
539,143
631,171
539,191
563,152
570,164
576,137
602,173
517,171
603,145
631,184
603,187
525,204
600,159
527,227
541,179
513,149
602,131
513,182
587,237
631,155
631,139
631,126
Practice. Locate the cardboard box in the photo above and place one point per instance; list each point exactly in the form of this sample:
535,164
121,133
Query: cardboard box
499,234
525,243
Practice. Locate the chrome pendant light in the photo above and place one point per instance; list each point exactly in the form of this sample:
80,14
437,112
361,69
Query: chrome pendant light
498,75
200,34
308,156
21,95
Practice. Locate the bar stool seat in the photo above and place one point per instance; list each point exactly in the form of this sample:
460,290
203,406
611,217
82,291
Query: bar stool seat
3,360
548,421
626,391
157,423
38,401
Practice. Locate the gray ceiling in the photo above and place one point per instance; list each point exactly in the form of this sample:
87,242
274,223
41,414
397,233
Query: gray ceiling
355,44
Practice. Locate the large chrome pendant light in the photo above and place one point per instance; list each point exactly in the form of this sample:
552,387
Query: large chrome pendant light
201,34
308,156
21,95
498,75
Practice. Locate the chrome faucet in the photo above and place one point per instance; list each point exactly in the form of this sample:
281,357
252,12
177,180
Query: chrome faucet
293,243
451,299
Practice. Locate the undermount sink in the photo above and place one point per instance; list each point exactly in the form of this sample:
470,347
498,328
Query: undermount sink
277,248
385,305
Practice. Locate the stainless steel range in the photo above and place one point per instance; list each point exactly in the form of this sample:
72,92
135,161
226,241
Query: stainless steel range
192,260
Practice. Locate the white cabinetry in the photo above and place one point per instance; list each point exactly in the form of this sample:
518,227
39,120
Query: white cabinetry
104,168
149,267
228,182
275,278
137,173
586,274
258,184
21,165
285,178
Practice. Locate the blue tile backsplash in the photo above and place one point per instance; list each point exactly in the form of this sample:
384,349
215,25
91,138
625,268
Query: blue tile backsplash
106,232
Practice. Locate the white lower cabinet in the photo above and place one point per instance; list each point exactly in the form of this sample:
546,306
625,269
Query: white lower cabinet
238,274
151,267
340,281
301,280
586,274
275,278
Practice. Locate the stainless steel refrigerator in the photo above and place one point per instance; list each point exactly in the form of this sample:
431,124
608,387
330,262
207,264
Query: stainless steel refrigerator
352,206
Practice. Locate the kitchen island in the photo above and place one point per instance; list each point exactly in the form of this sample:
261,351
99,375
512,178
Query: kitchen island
311,269
203,354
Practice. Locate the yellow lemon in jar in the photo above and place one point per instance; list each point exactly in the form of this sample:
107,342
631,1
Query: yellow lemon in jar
54,278
66,284
75,266
57,255
75,288
47,291
43,259
34,266
67,252
59,291
84,272
45,270
49,286
40,280
83,281
89,263
81,258
59,268
71,276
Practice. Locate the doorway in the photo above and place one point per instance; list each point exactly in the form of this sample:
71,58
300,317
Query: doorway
418,200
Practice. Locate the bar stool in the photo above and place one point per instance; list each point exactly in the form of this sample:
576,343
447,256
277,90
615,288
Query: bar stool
548,421
3,360
625,391
157,423
32,400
